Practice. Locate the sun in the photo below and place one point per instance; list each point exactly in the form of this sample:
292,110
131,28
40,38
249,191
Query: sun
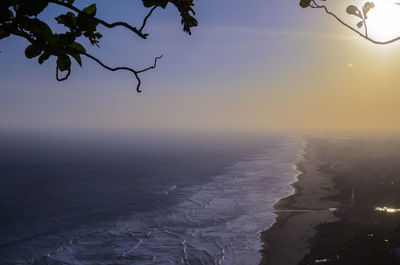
384,20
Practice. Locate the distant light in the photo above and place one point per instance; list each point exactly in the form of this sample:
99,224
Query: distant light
386,209
321,260
350,65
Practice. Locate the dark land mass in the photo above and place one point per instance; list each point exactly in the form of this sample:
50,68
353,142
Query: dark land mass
354,176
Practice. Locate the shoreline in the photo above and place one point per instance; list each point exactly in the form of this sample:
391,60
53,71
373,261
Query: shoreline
286,241
345,208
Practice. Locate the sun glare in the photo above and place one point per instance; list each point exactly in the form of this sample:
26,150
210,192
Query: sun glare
384,20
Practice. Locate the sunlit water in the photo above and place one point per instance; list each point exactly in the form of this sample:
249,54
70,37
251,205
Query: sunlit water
216,221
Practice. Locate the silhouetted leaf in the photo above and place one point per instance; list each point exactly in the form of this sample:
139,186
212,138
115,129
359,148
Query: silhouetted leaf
353,10
367,7
77,57
32,51
305,3
185,8
90,10
78,47
68,20
187,14
151,3
37,27
63,63
88,26
44,57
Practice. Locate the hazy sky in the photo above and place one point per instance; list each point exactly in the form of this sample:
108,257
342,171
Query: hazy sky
250,65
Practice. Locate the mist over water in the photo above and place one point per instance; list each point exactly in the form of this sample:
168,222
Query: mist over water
140,200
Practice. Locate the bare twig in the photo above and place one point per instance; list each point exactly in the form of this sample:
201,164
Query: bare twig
151,67
146,18
365,26
135,72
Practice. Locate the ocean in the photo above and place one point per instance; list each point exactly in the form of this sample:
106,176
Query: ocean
147,199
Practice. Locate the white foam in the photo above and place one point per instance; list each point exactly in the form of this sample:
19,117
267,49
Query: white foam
216,223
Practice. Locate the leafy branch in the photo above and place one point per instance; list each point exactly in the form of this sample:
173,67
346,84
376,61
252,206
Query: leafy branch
20,18
355,11
92,11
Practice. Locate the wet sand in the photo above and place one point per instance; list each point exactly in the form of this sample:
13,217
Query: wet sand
286,242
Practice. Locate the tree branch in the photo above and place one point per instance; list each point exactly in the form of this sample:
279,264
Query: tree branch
135,72
146,18
150,67
365,36
106,24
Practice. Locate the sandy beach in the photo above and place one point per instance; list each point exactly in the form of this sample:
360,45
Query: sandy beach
286,242
335,198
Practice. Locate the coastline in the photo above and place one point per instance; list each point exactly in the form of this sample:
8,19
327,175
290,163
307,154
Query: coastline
286,241
345,208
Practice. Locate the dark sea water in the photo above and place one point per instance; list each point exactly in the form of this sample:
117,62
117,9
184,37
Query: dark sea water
124,199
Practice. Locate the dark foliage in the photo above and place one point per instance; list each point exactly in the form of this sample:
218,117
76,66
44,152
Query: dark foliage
20,18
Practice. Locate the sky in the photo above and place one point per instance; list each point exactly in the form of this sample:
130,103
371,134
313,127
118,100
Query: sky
253,65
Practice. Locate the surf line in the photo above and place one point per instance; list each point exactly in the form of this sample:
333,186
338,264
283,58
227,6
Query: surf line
307,210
